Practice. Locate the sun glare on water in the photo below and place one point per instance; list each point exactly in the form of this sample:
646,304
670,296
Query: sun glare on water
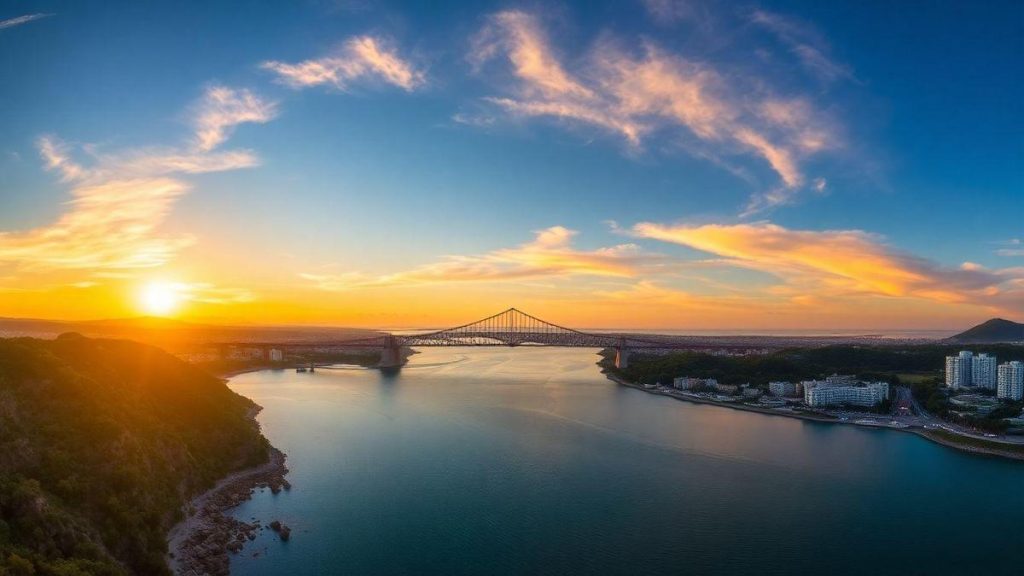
160,298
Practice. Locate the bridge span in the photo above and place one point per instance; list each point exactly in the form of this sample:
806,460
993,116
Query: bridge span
511,327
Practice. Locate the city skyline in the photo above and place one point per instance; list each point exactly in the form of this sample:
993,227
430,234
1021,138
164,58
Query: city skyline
653,164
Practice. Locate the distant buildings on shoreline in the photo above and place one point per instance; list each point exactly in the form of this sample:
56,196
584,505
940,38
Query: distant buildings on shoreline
839,390
966,370
835,390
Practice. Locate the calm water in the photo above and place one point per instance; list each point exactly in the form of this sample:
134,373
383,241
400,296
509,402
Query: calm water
528,461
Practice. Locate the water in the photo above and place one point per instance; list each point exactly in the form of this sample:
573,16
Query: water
528,461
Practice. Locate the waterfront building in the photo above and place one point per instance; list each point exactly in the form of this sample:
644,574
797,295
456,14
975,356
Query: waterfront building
842,379
782,388
1010,378
983,371
725,388
972,405
822,394
751,391
959,370
276,355
688,383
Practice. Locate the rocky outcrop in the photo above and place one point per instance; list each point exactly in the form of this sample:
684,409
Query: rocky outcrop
210,535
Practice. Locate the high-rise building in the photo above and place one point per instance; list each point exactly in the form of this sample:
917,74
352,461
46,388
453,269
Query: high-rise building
1011,381
959,369
983,371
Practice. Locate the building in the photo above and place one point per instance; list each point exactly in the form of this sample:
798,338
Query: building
983,371
841,379
276,355
782,388
750,391
822,394
1010,381
725,388
688,383
959,370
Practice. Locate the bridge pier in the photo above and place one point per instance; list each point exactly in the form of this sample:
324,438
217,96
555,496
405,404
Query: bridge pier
391,354
621,356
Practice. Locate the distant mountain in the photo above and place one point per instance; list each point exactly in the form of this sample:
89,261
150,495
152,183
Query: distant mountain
175,335
994,330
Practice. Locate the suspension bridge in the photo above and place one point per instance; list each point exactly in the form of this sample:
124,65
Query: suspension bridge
511,327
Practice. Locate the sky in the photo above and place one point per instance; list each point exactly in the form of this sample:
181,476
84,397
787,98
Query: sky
678,164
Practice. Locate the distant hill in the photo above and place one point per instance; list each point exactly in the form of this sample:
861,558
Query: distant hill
101,444
175,335
994,330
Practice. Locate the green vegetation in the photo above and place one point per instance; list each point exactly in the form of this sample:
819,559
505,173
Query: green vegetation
868,362
101,443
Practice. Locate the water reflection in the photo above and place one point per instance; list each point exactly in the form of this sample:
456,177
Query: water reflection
513,461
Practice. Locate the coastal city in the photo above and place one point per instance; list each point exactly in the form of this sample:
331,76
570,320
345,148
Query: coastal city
979,397
570,287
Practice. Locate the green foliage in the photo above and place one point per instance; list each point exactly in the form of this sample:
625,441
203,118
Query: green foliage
870,362
101,443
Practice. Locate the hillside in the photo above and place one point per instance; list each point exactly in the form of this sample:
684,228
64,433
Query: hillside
994,330
101,442
175,335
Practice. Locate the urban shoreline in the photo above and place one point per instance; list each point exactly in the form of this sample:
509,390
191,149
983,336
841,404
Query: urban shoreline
967,444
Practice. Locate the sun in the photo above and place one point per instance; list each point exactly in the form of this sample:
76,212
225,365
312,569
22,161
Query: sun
160,298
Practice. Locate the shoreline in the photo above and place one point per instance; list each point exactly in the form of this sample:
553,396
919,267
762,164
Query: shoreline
943,438
201,542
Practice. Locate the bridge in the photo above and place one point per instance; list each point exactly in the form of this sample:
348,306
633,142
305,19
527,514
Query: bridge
512,327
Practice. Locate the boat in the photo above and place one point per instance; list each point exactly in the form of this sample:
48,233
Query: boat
300,369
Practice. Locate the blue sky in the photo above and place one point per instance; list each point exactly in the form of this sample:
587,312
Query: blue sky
901,124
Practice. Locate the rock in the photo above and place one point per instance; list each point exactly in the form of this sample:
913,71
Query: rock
286,533
275,525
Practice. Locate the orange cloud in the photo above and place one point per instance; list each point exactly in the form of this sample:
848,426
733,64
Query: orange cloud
842,263
120,199
359,58
550,254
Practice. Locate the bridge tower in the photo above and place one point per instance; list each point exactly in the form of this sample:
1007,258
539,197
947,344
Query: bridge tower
391,354
621,354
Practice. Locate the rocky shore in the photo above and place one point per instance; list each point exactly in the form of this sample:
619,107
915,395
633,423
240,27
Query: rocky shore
200,545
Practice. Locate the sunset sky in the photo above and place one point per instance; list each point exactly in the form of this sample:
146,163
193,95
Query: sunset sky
646,164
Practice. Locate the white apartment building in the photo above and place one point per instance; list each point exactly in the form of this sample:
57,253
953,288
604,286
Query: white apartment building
821,394
959,370
983,371
1011,381
276,355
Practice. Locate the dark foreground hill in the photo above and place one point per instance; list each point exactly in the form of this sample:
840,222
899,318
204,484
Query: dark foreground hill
994,330
101,443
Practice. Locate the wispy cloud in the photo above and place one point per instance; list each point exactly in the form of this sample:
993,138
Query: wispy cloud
120,199
223,108
18,21
1012,247
359,58
806,43
636,93
549,254
839,263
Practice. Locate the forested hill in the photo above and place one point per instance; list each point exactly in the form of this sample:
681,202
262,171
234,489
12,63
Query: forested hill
101,443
